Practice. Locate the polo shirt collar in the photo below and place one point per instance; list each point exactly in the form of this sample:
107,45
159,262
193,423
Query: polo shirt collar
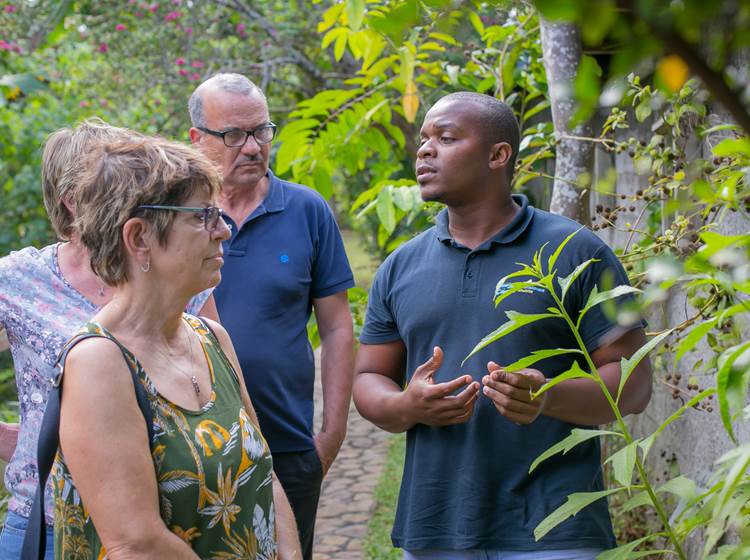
506,235
274,201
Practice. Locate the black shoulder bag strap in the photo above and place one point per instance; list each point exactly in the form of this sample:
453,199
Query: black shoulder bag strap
34,542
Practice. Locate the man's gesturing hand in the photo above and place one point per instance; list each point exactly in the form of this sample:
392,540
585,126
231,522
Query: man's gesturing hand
511,392
435,404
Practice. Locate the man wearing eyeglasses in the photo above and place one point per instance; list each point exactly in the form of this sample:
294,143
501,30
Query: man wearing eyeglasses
285,257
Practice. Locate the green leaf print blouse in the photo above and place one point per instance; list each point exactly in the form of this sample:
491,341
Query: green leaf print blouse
213,469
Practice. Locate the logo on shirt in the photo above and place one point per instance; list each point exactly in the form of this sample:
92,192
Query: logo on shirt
502,288
283,258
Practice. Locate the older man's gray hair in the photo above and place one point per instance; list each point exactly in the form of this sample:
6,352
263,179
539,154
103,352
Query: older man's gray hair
233,83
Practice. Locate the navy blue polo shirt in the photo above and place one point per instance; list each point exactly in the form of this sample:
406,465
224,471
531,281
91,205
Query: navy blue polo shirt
467,486
286,253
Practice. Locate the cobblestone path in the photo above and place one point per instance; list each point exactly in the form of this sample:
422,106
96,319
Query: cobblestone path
346,501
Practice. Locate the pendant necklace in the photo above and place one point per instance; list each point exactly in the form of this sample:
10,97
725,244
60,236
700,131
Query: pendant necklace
193,379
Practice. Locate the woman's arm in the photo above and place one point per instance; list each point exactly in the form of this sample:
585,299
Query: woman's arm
104,440
286,528
8,440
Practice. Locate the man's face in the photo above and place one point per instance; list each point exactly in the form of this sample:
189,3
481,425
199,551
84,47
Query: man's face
453,156
223,111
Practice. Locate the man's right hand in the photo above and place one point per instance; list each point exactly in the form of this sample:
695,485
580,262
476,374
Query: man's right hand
435,404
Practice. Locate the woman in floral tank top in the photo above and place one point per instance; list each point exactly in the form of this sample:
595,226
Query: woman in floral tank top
204,486
46,295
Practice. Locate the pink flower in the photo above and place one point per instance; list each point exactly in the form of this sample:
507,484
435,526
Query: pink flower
103,47
157,102
139,14
171,16
83,103
180,61
195,76
183,72
5,46
153,7
103,102
120,27
189,31
197,64
10,8
176,2
241,27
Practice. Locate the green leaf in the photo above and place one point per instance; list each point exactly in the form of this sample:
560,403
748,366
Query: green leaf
444,37
731,147
575,503
638,500
731,382
647,442
515,321
643,110
340,45
577,435
692,338
537,355
596,297
403,199
477,23
623,463
624,552
355,12
680,486
559,10
385,210
575,372
553,258
627,365
567,281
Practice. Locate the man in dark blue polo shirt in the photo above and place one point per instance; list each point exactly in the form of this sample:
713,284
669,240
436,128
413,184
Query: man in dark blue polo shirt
473,430
284,258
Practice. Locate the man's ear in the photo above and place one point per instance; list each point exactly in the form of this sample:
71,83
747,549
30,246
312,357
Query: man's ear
137,236
195,135
500,155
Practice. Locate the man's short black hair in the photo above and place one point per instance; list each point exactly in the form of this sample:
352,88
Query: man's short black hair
496,119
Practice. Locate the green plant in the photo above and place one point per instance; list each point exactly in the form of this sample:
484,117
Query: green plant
712,509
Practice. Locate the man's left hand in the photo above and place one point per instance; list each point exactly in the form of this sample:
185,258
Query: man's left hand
511,392
327,446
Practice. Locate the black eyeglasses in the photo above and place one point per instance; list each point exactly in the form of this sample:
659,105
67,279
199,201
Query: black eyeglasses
210,215
236,138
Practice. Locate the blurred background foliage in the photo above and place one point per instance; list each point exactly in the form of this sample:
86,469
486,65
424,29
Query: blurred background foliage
659,89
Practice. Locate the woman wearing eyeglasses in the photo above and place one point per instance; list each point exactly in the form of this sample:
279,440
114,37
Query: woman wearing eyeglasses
45,296
204,486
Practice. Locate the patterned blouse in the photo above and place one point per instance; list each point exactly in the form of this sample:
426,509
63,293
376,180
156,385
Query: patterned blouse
213,469
39,311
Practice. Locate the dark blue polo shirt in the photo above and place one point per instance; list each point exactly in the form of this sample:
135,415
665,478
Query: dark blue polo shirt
467,486
287,252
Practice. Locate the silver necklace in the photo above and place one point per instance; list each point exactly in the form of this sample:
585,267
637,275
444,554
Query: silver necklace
193,379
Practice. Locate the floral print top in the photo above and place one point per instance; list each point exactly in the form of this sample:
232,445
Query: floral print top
213,470
39,312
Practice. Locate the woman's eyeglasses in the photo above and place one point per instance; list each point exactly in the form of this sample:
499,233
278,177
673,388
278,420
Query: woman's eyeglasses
209,215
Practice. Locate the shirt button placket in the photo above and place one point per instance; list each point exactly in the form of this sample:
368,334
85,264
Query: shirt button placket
471,276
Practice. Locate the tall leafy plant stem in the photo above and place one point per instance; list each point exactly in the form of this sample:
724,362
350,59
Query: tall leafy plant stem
623,427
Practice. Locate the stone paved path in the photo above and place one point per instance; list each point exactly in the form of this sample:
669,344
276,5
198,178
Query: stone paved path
346,501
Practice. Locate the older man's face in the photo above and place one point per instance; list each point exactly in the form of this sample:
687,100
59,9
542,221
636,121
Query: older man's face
240,167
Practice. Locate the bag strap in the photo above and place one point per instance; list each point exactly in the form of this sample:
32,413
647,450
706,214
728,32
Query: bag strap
34,542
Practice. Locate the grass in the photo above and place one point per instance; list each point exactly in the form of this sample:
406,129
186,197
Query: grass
377,544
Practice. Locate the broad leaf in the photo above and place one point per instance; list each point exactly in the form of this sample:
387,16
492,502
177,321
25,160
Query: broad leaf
553,259
623,463
578,435
596,297
575,503
681,486
731,382
385,209
515,321
627,365
355,12
567,281
537,355
575,372
638,500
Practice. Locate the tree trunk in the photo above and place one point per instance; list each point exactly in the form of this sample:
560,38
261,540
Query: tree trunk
561,45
